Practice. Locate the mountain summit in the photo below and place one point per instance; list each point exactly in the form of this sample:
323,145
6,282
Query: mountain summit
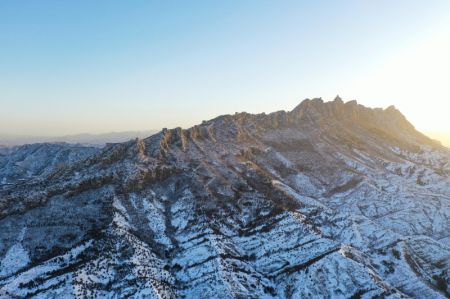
329,200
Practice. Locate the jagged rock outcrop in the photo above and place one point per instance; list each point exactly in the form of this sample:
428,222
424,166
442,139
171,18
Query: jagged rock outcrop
329,200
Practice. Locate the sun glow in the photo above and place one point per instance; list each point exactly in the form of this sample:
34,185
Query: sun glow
416,80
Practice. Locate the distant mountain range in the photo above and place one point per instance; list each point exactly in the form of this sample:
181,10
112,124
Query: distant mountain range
329,200
86,139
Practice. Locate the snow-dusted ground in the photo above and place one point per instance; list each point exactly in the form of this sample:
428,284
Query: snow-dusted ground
330,200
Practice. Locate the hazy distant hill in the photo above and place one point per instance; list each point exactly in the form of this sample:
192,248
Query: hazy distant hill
88,139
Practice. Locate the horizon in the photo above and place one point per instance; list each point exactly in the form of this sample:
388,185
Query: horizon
121,136
90,68
199,122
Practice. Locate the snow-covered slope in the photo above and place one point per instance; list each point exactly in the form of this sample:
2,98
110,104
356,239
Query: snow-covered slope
329,200
28,162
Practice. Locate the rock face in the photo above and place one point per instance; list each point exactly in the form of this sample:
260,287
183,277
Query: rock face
329,200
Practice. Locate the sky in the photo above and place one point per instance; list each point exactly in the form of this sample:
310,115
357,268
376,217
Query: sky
69,67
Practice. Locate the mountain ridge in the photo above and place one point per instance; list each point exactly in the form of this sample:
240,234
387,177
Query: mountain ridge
83,139
327,200
318,110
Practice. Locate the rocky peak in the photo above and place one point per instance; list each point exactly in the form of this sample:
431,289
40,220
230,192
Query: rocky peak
338,100
351,114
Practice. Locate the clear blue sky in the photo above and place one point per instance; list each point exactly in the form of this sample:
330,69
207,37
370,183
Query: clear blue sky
98,66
